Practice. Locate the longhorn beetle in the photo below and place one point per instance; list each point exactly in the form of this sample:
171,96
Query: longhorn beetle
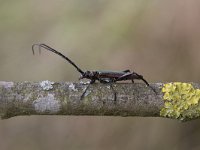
101,76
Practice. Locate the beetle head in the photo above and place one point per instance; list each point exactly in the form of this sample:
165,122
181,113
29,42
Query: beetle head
87,75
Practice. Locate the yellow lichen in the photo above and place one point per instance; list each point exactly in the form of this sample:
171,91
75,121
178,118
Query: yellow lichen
181,101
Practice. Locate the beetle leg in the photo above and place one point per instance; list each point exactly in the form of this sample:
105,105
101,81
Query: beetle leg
137,76
91,82
115,93
127,76
141,78
110,81
123,77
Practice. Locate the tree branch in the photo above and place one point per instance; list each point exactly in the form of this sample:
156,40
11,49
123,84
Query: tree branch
63,98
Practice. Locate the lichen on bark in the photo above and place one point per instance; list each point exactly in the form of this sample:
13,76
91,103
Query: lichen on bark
181,101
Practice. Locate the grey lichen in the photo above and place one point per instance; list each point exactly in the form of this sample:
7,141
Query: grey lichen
84,83
46,85
72,87
108,87
87,92
47,104
6,85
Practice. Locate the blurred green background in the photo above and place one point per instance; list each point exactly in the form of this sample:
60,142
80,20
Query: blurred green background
159,39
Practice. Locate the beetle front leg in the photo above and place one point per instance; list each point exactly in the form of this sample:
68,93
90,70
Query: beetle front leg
83,95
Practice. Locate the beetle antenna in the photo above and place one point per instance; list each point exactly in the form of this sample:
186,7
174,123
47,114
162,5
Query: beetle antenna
56,52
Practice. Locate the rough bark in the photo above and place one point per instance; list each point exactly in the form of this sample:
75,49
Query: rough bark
63,98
